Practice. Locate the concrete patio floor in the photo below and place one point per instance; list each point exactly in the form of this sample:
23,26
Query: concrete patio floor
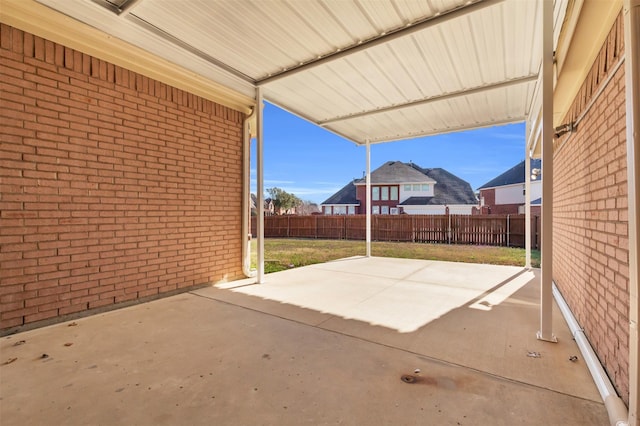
323,344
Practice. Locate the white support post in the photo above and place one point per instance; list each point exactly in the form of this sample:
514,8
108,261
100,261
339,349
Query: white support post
368,199
527,208
632,82
546,280
246,191
260,184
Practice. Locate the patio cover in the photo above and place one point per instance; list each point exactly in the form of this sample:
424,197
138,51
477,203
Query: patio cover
370,71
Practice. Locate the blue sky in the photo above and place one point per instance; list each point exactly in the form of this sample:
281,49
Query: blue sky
312,163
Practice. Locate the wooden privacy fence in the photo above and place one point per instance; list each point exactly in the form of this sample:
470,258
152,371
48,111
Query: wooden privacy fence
495,230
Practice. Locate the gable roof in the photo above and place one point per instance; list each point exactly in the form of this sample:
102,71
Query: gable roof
512,176
346,195
450,189
254,201
396,172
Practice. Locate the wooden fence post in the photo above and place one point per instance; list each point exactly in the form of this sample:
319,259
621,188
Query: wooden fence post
442,229
343,233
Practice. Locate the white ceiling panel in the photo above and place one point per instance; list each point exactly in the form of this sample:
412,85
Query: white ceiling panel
366,69
473,111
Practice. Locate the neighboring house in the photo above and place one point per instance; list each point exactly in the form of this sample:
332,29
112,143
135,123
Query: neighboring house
269,209
505,194
305,208
345,201
398,187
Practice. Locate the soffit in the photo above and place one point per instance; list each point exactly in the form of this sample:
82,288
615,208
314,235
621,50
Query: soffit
591,22
367,70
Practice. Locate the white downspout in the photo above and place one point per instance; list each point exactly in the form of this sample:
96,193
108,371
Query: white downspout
368,200
246,196
546,255
631,13
260,184
527,208
615,406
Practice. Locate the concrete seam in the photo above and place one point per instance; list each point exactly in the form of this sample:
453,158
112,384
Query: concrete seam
428,357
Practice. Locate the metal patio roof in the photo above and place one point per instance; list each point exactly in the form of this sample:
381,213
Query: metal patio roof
367,70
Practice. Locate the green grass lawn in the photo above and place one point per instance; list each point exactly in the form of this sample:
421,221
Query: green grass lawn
285,253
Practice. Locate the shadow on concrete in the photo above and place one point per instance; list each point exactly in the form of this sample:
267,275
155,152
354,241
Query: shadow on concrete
221,356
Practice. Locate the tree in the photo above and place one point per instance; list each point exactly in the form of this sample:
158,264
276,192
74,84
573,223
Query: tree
308,207
283,202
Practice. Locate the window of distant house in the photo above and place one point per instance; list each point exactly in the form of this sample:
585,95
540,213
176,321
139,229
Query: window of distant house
352,210
394,193
327,210
375,193
340,210
384,193
407,187
394,210
384,210
425,187
416,187
375,210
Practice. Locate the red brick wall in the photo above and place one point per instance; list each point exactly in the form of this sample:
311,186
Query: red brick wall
504,208
361,195
590,213
489,196
490,206
114,187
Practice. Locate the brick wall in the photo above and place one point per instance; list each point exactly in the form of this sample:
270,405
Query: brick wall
490,206
361,195
590,212
114,187
504,208
489,196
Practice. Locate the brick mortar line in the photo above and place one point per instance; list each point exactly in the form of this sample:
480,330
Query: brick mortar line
591,103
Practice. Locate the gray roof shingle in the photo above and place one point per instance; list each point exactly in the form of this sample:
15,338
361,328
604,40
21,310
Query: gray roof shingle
448,188
512,176
397,172
346,195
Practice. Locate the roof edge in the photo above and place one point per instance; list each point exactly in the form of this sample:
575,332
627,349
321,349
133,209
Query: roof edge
42,21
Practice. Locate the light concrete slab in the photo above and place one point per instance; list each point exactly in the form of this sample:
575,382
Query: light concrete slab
401,294
465,275
223,357
480,316
374,266
324,291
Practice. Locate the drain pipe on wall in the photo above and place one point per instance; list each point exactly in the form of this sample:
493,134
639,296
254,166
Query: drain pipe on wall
246,195
618,415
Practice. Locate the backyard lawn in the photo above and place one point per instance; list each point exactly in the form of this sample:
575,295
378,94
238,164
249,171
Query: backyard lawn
285,253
